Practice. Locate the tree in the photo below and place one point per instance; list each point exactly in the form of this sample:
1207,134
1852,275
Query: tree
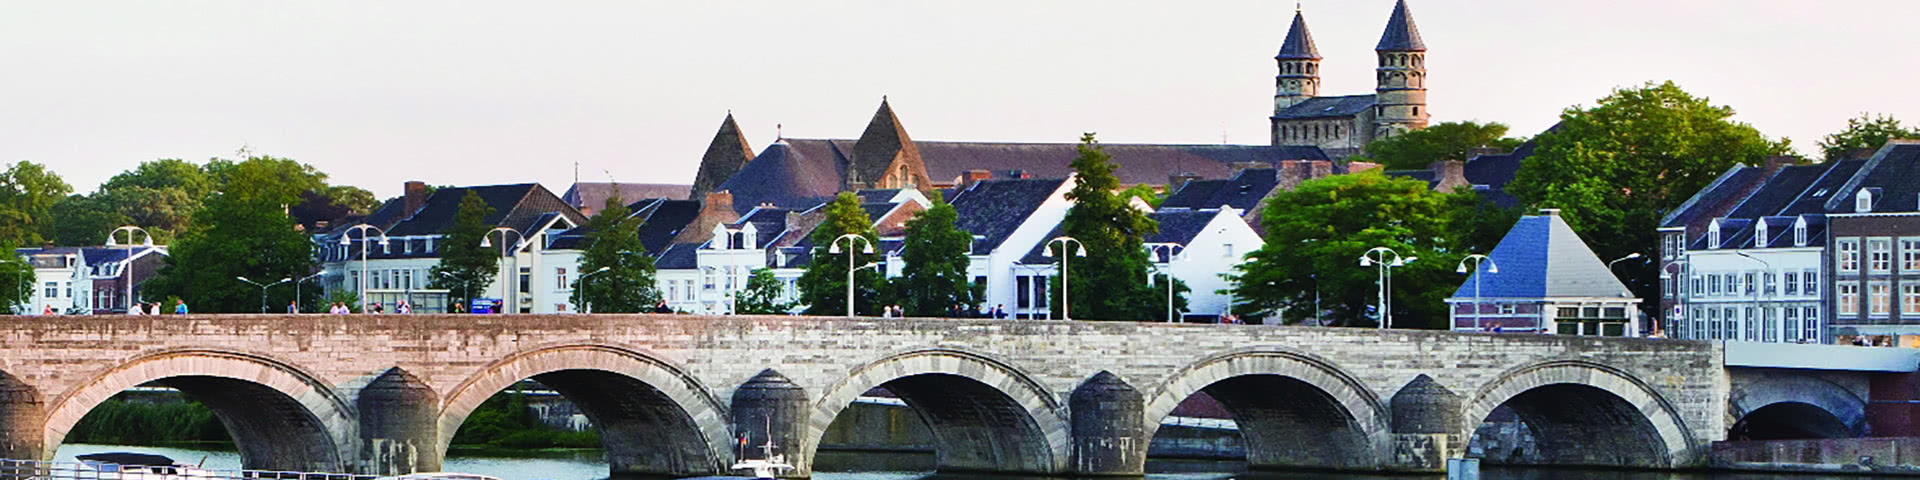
465,266
1614,169
16,282
823,287
936,254
1144,192
86,219
613,242
243,232
1865,132
1476,223
1316,234
762,296
1113,233
27,194
1444,141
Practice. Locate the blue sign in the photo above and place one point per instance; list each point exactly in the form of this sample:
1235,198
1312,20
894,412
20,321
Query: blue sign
483,305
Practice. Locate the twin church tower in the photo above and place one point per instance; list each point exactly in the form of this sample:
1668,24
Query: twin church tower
1343,125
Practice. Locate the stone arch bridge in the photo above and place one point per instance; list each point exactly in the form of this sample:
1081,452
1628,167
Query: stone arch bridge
675,394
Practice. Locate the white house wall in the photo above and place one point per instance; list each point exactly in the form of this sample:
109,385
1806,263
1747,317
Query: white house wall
1211,254
1800,261
1031,232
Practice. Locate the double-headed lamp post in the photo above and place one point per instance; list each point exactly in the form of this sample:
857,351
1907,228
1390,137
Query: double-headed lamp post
346,239
296,289
126,264
506,276
1080,250
1153,249
834,248
1379,257
263,289
587,302
1492,268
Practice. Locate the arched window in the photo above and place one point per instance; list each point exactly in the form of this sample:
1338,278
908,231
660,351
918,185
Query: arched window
1311,68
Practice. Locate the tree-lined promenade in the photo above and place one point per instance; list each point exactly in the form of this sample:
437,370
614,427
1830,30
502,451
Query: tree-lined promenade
1612,168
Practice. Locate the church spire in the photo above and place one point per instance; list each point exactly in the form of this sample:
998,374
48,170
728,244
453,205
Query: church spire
1299,43
1400,97
725,155
1299,71
1401,35
884,156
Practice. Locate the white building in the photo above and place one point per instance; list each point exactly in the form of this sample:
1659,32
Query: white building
58,279
1753,280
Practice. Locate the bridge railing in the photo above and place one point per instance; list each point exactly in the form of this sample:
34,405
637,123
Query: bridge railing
39,470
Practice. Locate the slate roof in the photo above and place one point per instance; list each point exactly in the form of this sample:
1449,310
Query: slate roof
1813,198
1299,43
726,154
678,256
1327,107
518,206
789,174
1542,258
1718,196
769,223
992,209
1401,34
1897,175
883,140
1179,227
662,219
946,161
1243,191
47,257
593,195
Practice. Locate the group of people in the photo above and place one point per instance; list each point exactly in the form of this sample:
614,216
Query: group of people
958,310
341,308
179,308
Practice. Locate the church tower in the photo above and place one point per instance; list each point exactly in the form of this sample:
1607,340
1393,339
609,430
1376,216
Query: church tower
1400,99
1299,63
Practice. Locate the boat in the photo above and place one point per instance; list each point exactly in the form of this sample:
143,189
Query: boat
140,466
768,466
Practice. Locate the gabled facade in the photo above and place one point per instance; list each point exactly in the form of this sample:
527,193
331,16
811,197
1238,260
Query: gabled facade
1543,279
60,282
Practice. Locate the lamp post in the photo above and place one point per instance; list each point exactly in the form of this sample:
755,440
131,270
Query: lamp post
1760,306
1378,256
1492,268
346,239
1080,250
506,276
466,290
587,302
834,248
126,264
1681,290
263,290
1153,249
296,289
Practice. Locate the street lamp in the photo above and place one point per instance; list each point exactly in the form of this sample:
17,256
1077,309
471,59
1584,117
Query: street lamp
263,290
1153,249
126,264
1492,268
1377,256
296,290
466,290
1080,250
506,276
834,248
1629,256
587,302
346,239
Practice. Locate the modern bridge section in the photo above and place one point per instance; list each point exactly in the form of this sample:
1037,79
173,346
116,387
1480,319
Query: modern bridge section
673,394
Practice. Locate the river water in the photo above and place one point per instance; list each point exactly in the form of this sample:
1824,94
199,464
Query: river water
588,465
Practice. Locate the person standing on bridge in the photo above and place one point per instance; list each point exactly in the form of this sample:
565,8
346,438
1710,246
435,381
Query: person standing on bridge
179,307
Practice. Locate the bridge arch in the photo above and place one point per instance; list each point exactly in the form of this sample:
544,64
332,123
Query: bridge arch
1781,407
280,416
1587,414
654,417
1276,394
984,413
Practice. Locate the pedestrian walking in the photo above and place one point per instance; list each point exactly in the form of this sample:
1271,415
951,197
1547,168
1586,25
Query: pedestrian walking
293,307
179,307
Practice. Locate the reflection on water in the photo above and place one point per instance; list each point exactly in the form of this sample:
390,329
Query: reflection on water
917,466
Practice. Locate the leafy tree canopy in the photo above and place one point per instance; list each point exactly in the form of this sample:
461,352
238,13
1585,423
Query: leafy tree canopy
242,232
613,243
466,268
1440,142
1614,169
762,295
823,286
1865,132
1113,233
936,254
1316,235
28,192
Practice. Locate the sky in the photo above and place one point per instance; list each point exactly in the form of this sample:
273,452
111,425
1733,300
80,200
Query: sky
376,93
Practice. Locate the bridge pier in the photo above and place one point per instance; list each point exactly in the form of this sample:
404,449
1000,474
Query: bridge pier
21,414
771,408
1426,416
399,427
1109,427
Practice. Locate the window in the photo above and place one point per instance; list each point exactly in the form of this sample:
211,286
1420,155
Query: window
1769,328
1733,284
1767,281
1810,324
1791,280
1879,299
673,290
1910,255
1792,318
1713,235
1811,282
1699,330
1760,236
1800,233
560,278
1729,324
1848,295
1910,299
1848,257
1748,280
1712,331
1880,255
1713,284
1696,285
1508,309
53,289
1752,325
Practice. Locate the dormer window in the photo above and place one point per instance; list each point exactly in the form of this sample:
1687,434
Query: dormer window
1760,234
1800,232
1863,201
1713,235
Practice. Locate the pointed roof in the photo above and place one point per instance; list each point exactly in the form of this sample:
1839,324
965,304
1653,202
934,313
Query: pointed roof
1401,34
1299,44
725,155
1539,258
882,142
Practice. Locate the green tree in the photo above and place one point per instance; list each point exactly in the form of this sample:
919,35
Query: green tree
936,254
613,242
1444,141
244,232
1317,232
1476,223
466,267
762,295
1865,132
1616,168
86,219
823,285
27,194
1113,233
16,281
1145,193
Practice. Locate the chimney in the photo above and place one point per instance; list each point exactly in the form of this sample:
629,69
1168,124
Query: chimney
1175,181
971,177
717,209
1291,173
416,194
1449,175
1776,162
721,200
1321,169
1235,168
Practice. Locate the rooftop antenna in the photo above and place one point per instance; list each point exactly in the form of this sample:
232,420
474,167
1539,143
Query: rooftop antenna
777,135
1223,133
